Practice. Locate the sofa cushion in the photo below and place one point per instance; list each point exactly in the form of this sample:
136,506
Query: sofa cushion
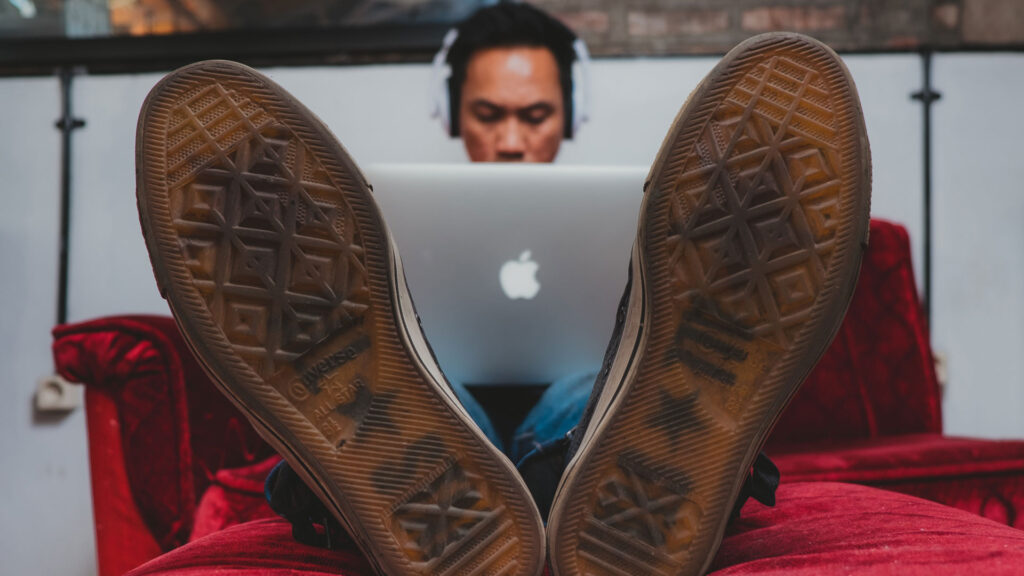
981,476
235,497
816,528
831,528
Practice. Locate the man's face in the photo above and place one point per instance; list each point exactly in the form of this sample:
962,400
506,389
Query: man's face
511,107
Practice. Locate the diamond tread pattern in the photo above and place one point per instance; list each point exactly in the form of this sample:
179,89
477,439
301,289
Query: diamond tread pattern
752,231
276,264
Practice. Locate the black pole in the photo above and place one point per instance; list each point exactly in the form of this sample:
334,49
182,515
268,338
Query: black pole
67,123
927,96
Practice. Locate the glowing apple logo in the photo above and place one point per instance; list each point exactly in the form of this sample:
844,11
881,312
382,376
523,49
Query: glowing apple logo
519,277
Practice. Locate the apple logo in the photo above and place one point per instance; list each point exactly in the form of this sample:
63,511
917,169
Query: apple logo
519,277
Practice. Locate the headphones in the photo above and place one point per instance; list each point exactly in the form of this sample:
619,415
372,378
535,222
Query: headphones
440,104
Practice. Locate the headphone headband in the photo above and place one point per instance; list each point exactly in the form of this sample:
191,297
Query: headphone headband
439,75
580,85
441,71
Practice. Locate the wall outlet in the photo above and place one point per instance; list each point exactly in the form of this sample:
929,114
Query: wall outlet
56,395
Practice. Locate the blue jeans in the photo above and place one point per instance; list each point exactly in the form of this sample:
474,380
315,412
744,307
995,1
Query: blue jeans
540,442
558,411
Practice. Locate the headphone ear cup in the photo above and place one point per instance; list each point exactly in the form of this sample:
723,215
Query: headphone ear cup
444,105
440,77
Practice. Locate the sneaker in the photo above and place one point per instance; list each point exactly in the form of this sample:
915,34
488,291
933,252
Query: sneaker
750,237
275,261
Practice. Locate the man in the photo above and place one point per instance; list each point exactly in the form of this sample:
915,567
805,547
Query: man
510,95
510,92
275,261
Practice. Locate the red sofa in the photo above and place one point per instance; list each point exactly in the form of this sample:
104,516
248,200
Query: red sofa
174,463
870,412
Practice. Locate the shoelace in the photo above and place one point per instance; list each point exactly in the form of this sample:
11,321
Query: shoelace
291,499
760,485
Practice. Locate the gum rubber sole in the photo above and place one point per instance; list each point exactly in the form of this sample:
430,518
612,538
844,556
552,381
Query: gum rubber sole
279,270
751,233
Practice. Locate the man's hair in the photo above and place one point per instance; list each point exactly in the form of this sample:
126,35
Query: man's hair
510,24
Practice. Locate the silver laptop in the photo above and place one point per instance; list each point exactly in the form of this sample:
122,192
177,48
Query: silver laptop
516,270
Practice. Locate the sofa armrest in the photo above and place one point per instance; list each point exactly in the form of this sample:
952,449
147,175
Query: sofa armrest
123,540
174,430
136,411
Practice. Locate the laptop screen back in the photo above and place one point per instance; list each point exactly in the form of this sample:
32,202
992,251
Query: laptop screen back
516,270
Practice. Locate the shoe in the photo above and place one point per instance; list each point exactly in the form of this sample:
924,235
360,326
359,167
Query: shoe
275,261
751,232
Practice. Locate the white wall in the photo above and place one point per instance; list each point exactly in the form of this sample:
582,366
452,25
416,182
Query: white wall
379,112
978,288
45,500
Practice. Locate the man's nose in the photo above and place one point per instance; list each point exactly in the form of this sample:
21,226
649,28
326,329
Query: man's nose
511,138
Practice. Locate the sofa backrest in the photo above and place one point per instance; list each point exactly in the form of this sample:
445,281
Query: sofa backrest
877,378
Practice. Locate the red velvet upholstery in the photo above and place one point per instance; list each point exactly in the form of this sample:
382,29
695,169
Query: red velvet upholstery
816,529
870,411
161,435
981,476
236,496
158,433
823,528
877,378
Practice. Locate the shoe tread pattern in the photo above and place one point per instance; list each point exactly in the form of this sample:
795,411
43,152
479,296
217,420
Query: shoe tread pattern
269,245
752,231
755,208
274,259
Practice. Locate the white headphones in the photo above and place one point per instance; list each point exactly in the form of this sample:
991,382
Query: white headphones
440,104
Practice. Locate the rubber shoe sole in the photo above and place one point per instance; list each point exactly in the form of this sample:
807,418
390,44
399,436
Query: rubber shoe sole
748,248
279,270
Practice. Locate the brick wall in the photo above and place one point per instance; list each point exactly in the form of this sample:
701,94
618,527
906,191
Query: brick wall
666,27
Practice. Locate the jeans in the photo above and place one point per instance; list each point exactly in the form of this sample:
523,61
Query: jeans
558,411
540,442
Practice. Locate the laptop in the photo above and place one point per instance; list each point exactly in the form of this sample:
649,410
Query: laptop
516,270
